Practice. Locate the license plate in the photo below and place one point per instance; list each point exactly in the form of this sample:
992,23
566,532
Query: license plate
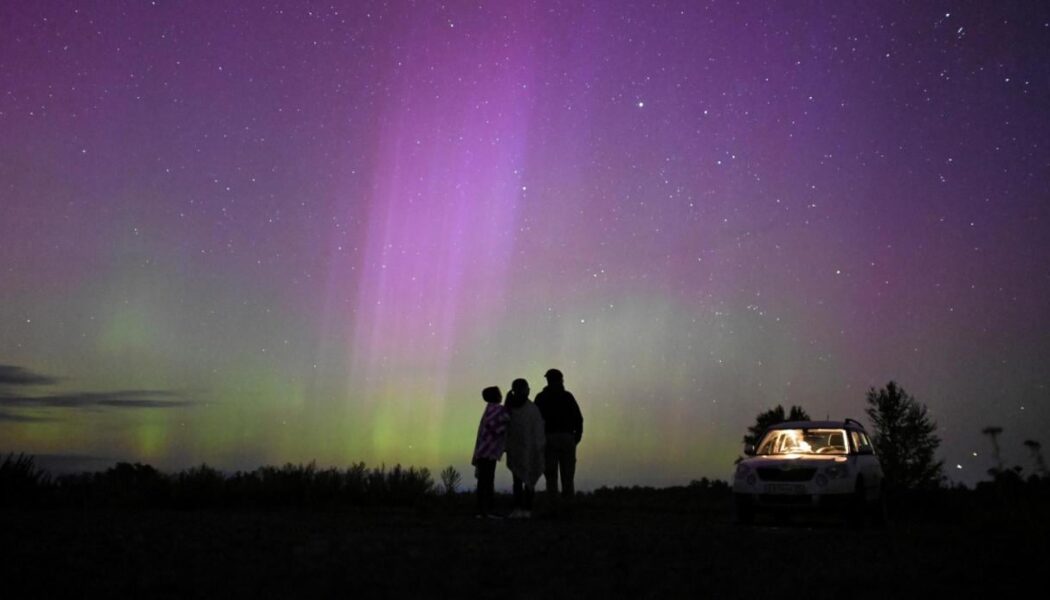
785,488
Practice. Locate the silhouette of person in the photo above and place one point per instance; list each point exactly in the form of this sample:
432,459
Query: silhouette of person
525,441
563,423
489,447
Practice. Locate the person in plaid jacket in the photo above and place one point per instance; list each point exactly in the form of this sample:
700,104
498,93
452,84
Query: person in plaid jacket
489,447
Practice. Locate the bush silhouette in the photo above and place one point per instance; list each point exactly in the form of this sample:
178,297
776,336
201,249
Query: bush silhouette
198,487
21,482
136,485
450,479
131,485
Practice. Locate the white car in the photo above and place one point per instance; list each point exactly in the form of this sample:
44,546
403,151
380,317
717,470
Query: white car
810,465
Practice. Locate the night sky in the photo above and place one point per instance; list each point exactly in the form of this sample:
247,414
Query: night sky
249,233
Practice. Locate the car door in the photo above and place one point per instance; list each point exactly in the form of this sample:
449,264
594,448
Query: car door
867,464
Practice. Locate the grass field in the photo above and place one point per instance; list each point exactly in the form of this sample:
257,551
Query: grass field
624,547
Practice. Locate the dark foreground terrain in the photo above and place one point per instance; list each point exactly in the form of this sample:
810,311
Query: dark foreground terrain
622,549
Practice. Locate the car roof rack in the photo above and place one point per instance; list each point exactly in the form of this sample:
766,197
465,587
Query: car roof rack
847,420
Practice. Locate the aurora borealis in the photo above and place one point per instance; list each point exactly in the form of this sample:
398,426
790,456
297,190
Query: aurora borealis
250,233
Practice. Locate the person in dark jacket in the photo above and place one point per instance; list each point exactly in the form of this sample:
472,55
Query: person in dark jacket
563,424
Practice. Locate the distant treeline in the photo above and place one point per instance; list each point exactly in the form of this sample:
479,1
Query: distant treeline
127,485
135,485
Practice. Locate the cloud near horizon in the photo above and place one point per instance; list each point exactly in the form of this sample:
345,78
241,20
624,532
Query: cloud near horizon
14,376
11,375
11,417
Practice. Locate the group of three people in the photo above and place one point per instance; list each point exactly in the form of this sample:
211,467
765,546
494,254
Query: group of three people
539,438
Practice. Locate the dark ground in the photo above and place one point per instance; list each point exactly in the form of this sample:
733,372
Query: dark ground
626,549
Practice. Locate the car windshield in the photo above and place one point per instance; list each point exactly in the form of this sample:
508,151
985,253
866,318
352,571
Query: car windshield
803,441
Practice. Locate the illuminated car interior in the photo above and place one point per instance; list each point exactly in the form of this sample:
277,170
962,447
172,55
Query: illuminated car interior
804,441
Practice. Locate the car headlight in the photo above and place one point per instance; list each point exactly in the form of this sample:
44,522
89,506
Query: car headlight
836,471
742,471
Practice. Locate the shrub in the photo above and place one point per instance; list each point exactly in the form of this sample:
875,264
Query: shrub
135,485
198,487
21,482
450,479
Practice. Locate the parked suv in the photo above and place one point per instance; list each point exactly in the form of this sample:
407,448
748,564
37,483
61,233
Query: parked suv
810,465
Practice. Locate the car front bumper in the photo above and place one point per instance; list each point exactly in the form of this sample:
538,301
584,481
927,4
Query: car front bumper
801,501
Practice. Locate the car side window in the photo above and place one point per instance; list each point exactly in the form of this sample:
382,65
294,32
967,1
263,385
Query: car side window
867,442
861,442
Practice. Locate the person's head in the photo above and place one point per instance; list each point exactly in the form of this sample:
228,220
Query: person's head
520,387
492,395
554,378
518,394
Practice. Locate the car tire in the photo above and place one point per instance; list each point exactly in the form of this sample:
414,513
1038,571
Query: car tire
879,511
743,510
857,508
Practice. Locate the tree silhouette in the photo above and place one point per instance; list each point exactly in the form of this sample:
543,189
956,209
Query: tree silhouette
1037,454
450,479
904,439
993,434
772,417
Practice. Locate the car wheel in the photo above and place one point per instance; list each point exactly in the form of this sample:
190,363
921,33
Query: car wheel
879,510
743,511
858,504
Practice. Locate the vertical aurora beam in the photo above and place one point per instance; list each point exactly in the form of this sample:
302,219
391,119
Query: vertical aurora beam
441,228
